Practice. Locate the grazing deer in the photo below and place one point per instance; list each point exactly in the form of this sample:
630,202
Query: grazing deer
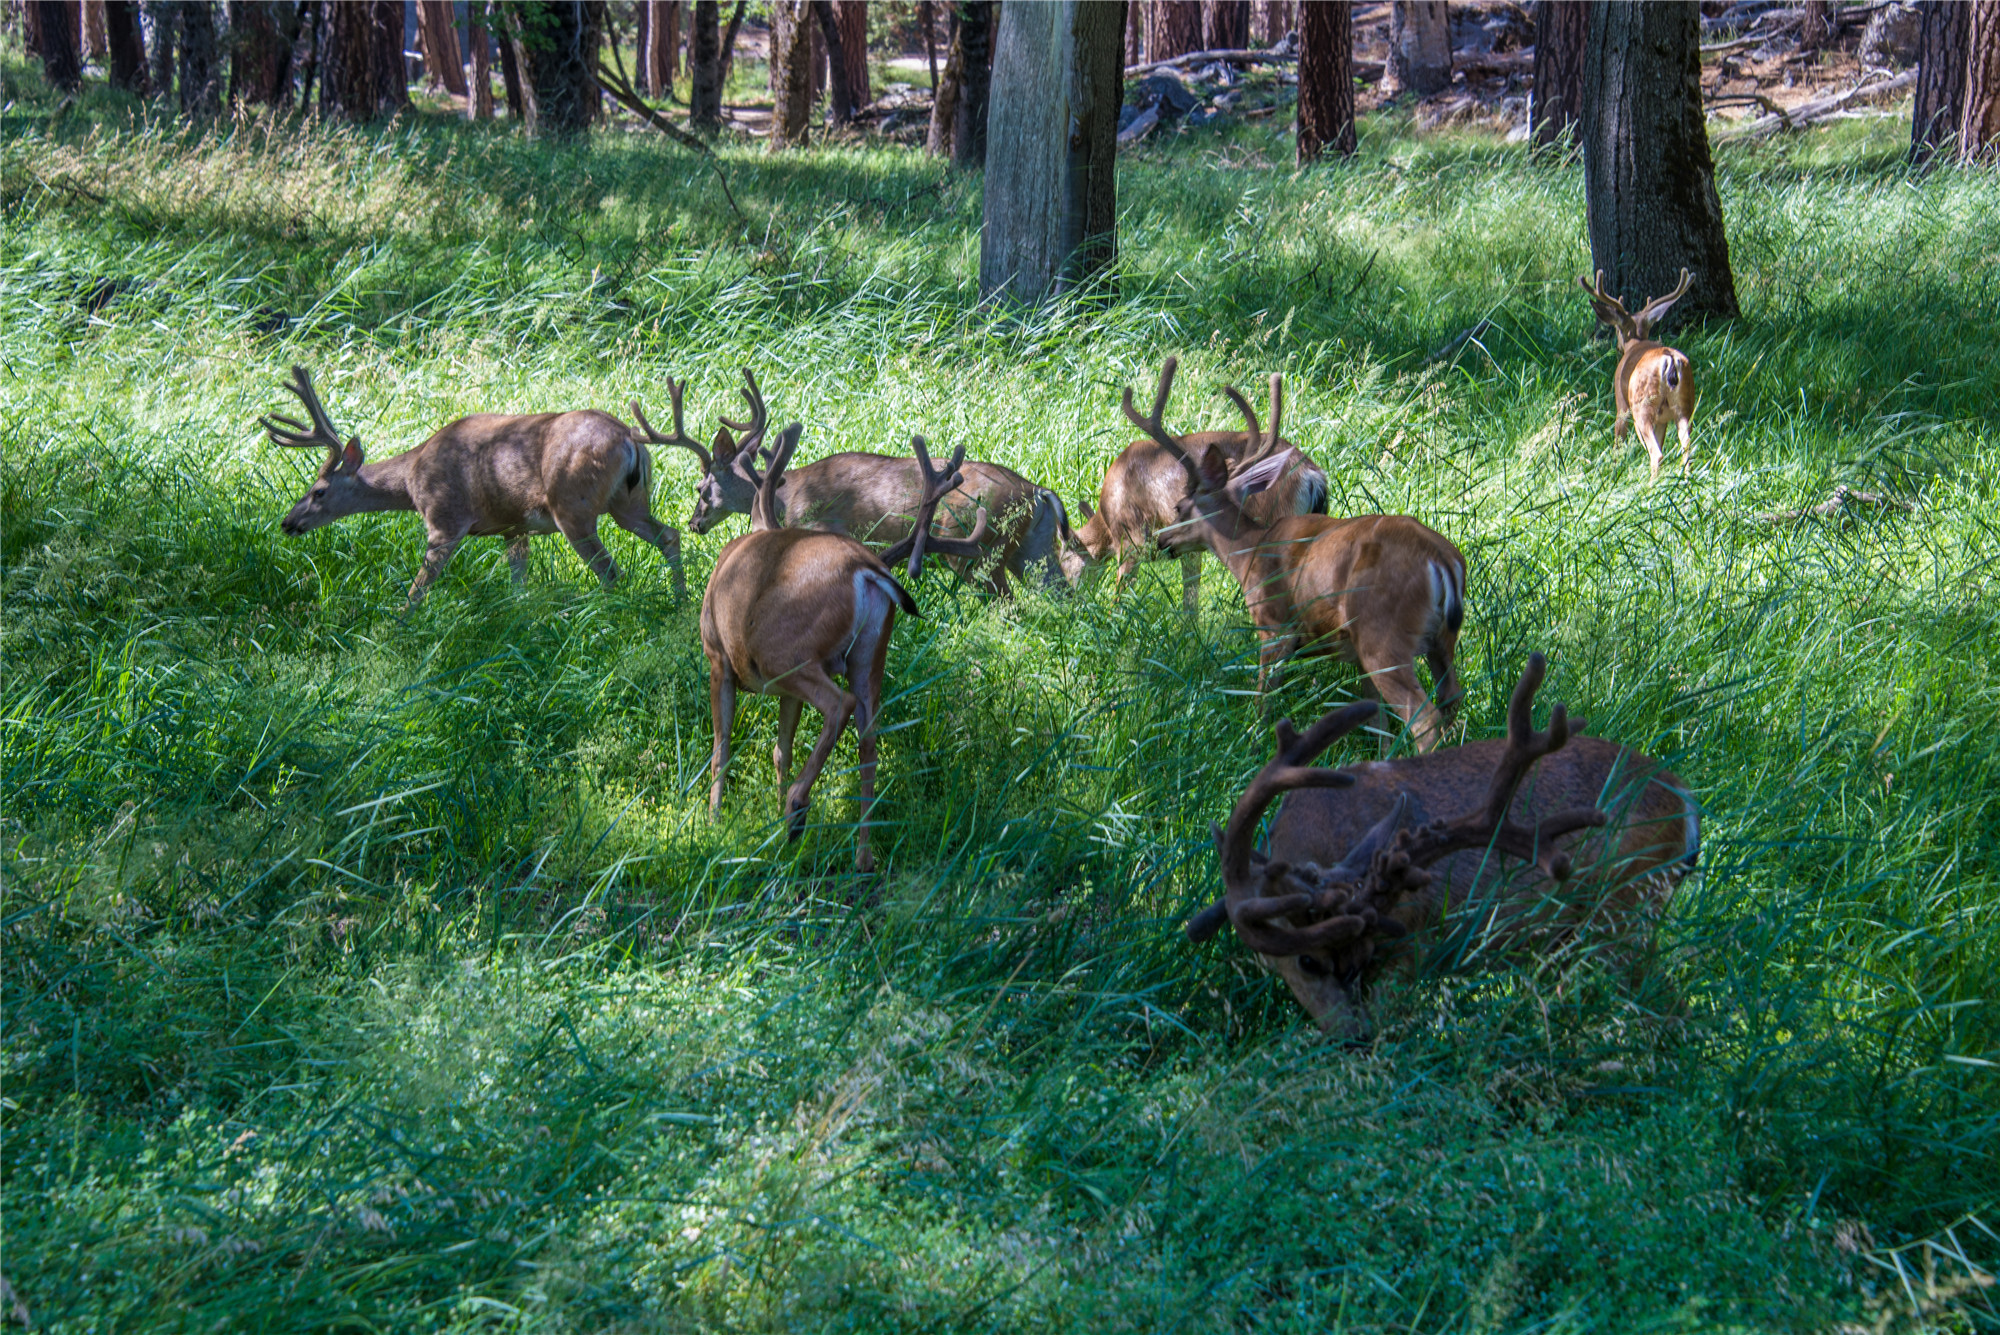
789,609
488,475
873,497
1361,859
1379,590
1653,383
1138,502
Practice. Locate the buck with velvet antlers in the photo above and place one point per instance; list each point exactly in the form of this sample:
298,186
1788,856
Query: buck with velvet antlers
1653,383
789,609
1363,860
487,475
1380,591
1139,502
873,497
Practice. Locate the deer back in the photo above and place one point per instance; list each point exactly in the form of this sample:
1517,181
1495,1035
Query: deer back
517,473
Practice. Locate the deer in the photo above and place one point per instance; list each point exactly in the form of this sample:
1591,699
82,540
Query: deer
1379,591
1139,499
873,497
789,609
1364,862
490,474
1652,383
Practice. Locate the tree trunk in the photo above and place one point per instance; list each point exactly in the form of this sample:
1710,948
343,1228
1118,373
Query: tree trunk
479,43
1051,177
362,77
853,17
501,29
94,46
1419,48
1326,79
1979,132
840,101
1649,184
556,49
260,54
659,33
1176,29
927,24
1277,15
975,36
128,51
705,68
944,104
729,31
201,73
1815,24
1944,46
1135,19
791,72
1562,30
62,61
437,37
165,21
1228,25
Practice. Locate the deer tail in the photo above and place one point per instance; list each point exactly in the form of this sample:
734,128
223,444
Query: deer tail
1671,373
1447,595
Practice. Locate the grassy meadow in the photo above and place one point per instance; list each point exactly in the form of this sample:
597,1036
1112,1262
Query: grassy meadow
372,971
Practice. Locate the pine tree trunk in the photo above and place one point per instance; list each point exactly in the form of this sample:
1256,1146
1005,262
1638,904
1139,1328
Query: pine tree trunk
1228,25
734,26
95,46
1562,30
975,35
839,102
1649,184
1051,176
705,68
558,60
656,31
1815,24
927,24
791,72
260,55
362,74
165,17
853,17
1944,46
201,73
1277,16
479,43
501,28
128,50
1326,79
62,62
1979,131
437,34
944,105
1419,48
1176,29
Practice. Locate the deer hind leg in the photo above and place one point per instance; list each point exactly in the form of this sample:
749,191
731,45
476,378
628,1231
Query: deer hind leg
1687,443
1444,682
1397,684
1271,654
867,658
811,684
788,728
517,557
437,555
721,708
582,535
1643,417
634,514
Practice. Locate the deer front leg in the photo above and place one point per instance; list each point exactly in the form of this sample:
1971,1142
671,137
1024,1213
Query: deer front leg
722,709
788,728
517,557
437,555
582,535
817,689
1273,651
1190,582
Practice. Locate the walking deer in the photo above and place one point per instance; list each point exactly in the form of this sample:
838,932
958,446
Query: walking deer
1379,591
1139,500
487,475
1363,860
789,609
873,497
1653,383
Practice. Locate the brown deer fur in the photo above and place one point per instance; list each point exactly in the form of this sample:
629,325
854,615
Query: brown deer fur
873,496
1379,591
488,475
1653,383
1408,845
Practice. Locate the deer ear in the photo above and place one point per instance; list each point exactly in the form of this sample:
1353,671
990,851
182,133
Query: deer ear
1214,469
350,458
1260,475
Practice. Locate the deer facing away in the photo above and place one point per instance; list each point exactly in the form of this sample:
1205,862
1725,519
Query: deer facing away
487,475
873,497
1363,859
1653,383
1380,591
1139,500
789,609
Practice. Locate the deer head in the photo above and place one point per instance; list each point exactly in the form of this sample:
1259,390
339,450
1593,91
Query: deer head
921,542
338,490
1217,491
1631,328
729,482
1326,925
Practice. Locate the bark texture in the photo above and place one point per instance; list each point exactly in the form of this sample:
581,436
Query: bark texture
164,18
437,38
95,45
705,67
1176,29
944,101
1419,47
56,41
1944,45
659,60
975,36
852,16
479,46
840,99
1562,30
1277,21
1051,173
1326,81
510,69
127,48
791,72
362,74
201,72
260,52
1227,25
1815,24
1649,183
729,31
556,48
1979,130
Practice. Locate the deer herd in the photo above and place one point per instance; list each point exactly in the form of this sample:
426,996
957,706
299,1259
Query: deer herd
1524,843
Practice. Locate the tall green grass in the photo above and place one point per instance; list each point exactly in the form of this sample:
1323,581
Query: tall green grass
378,971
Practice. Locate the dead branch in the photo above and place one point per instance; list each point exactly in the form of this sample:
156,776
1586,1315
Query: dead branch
1807,112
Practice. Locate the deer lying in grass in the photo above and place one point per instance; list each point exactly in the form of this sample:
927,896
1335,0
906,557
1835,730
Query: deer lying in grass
873,497
1364,858
1138,503
488,475
789,609
1653,383
1380,591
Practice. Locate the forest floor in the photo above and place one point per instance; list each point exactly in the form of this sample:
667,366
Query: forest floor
385,970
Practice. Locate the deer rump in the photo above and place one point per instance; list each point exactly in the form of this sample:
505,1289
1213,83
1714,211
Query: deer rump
875,497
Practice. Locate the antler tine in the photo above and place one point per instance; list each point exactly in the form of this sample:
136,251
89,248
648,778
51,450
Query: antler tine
752,431
1597,292
1680,290
1155,426
675,388
938,484
295,434
764,509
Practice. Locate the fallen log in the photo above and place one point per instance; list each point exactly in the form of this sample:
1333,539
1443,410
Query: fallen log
1252,56
1805,113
